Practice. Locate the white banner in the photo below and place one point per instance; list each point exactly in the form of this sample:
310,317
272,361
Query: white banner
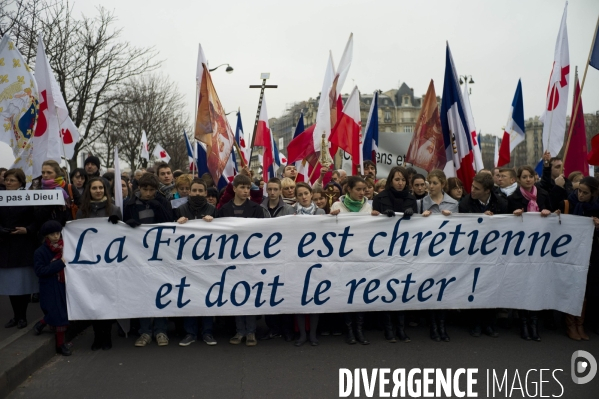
391,152
31,197
319,264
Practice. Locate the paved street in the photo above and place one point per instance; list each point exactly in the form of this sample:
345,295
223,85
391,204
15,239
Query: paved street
276,369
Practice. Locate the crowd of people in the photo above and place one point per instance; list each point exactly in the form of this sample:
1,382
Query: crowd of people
32,264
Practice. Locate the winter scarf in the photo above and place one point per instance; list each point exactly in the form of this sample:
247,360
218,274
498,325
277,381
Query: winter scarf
352,205
56,249
196,204
290,201
300,210
532,199
510,189
52,184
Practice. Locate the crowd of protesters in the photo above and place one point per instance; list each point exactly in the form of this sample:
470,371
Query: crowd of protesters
32,264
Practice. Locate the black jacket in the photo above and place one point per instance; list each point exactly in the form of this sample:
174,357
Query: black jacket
16,250
53,299
163,212
385,201
251,210
98,210
497,205
185,211
517,201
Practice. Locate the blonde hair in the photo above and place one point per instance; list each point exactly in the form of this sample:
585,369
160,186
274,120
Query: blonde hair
287,182
182,180
438,173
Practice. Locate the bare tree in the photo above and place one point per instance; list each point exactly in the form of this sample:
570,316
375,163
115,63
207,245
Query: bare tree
90,59
151,103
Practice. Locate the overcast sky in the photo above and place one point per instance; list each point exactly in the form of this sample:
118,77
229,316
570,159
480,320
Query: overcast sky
394,42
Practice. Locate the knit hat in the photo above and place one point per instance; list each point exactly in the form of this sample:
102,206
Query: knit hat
94,160
51,226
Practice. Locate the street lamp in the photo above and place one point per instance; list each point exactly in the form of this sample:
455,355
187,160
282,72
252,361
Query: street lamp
466,80
228,70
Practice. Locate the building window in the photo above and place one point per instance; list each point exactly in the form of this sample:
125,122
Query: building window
387,116
408,129
386,102
406,100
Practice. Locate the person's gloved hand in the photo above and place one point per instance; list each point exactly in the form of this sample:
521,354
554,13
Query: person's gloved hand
407,214
114,219
5,231
133,223
390,213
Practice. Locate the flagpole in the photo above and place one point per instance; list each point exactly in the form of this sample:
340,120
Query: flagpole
573,116
584,76
193,172
64,151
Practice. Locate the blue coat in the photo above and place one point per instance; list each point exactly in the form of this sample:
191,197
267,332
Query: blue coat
53,298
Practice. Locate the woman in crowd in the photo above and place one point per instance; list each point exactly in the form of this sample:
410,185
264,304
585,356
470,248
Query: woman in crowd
49,267
369,192
583,201
419,186
305,206
288,191
320,199
97,203
53,179
18,231
437,201
354,202
395,198
528,198
78,179
182,186
455,188
575,178
125,188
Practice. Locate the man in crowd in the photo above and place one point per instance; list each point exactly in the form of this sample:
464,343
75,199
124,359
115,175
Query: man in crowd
274,206
507,182
166,179
369,170
146,207
290,172
92,166
553,175
483,200
496,176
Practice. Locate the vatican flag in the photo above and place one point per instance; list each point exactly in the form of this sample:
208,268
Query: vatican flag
18,105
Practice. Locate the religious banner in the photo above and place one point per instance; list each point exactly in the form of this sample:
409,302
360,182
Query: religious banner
321,264
31,197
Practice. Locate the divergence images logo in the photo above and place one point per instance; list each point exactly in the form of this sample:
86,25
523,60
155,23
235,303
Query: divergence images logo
583,362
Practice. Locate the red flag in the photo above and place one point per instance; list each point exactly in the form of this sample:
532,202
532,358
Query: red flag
347,134
576,156
593,156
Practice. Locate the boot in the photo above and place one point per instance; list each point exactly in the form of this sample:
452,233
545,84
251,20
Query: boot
524,326
351,339
434,329
98,335
401,326
571,328
580,323
359,333
443,334
388,327
533,326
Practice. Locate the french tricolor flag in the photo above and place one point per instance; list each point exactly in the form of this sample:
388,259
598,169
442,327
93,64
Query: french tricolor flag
456,132
190,156
370,145
264,139
514,132
239,137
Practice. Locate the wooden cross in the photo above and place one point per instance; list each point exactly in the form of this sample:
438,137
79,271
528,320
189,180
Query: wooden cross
264,77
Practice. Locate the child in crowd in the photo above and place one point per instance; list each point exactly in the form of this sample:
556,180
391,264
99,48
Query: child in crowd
242,207
49,266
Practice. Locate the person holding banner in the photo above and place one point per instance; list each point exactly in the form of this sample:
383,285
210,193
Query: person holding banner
242,207
437,201
196,208
146,206
288,189
305,206
97,203
18,230
528,198
419,186
483,200
354,202
583,201
320,199
49,267
395,198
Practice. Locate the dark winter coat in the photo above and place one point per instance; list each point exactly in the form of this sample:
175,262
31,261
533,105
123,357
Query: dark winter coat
497,205
517,201
185,211
98,210
282,209
385,200
16,250
53,299
228,194
251,210
162,209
